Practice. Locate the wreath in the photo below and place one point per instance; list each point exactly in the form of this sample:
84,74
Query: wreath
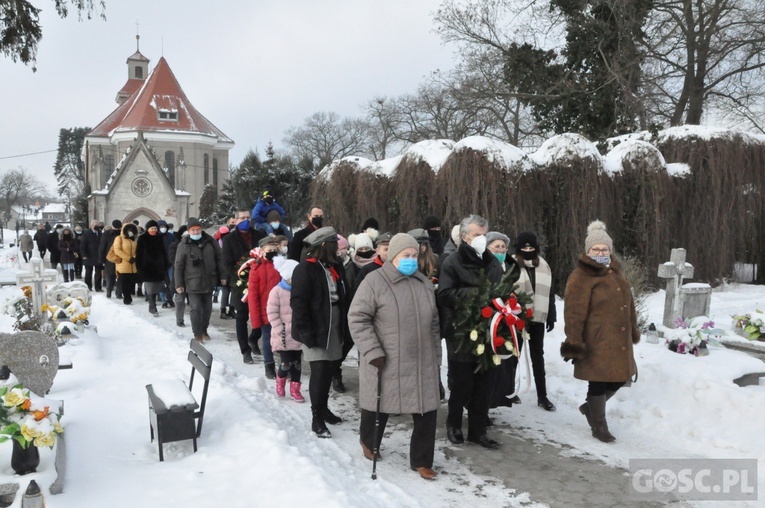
245,265
489,320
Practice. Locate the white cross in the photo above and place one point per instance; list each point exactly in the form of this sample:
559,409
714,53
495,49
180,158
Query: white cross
674,271
37,277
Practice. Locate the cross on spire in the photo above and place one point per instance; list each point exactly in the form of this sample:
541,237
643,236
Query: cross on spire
137,36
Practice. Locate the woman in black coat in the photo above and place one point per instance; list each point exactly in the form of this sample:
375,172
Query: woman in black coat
320,302
68,253
152,262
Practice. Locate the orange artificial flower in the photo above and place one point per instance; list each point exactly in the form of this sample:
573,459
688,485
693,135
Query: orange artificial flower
26,404
39,415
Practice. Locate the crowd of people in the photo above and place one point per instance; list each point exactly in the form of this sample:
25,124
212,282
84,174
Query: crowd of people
313,295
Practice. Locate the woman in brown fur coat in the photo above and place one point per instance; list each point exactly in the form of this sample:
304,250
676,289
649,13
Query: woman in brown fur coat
601,327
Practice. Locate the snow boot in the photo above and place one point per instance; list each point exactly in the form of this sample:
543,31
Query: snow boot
295,391
280,384
223,314
317,423
270,371
66,275
71,275
232,312
585,409
597,410
331,418
337,383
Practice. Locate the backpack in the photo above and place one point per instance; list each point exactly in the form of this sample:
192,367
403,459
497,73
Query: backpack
112,257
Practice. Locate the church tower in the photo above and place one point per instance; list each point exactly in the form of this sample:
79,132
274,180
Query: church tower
153,156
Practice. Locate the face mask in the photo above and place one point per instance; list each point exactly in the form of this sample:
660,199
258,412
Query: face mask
603,260
130,234
407,266
270,255
67,235
244,225
317,221
501,256
479,244
196,237
78,233
528,256
163,230
283,251
366,254
58,231
274,225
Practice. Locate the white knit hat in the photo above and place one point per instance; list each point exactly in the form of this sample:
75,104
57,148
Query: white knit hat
286,268
596,234
363,240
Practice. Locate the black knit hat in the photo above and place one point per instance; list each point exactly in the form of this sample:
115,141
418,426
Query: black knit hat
370,223
526,239
431,221
117,224
151,223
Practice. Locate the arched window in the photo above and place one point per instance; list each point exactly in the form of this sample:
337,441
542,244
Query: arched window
170,165
215,173
207,168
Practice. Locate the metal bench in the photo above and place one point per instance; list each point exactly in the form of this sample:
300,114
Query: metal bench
173,408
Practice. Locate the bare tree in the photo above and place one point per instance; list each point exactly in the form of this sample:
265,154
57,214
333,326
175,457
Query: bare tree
18,187
324,137
384,127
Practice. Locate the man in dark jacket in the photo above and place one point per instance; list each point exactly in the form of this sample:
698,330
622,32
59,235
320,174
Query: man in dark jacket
168,237
51,243
236,249
91,241
41,239
198,269
461,274
110,270
381,246
315,218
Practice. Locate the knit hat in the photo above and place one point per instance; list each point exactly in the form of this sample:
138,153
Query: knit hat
383,239
321,235
596,234
526,239
430,222
362,240
161,223
117,224
419,234
370,223
456,237
400,242
273,216
286,268
342,243
151,223
223,230
493,236
193,222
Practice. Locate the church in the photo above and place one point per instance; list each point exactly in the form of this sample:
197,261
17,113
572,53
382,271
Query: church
152,157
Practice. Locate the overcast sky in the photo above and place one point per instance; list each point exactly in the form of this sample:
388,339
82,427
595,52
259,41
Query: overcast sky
252,67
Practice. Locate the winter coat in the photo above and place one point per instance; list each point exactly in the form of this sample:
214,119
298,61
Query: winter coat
395,317
601,325
261,209
107,239
67,247
89,245
263,278
168,239
365,270
235,247
449,248
125,249
296,246
460,276
311,306
280,316
151,258
41,239
198,265
26,244
51,243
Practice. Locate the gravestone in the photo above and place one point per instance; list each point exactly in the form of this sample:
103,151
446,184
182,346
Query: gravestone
697,298
32,357
36,278
674,270
58,293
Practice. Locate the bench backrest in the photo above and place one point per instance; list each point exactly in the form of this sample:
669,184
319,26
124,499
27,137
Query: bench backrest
201,361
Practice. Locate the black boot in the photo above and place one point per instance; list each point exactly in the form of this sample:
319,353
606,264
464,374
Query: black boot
71,275
597,410
331,418
270,371
223,314
317,423
231,312
215,298
337,384
66,275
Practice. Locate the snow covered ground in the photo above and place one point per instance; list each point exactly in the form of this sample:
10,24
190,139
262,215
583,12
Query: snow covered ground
257,450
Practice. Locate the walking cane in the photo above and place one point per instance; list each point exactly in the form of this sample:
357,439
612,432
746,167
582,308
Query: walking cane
377,426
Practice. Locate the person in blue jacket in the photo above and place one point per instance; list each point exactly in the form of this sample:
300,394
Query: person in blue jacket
266,203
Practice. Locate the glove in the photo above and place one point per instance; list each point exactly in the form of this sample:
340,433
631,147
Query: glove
573,360
378,362
550,326
132,260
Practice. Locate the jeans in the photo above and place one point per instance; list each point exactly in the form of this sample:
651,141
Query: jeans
268,355
224,297
201,308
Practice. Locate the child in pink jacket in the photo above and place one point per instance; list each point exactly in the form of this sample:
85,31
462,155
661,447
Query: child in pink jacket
280,316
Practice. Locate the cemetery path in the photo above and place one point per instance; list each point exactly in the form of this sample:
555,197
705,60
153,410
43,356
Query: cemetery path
548,472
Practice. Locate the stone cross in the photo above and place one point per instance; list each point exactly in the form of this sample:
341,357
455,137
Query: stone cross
674,270
37,277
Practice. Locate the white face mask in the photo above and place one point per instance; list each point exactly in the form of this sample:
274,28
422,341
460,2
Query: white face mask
479,244
163,230
283,250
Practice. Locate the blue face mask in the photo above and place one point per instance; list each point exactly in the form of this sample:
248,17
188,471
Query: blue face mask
196,237
274,225
603,260
407,266
244,225
501,256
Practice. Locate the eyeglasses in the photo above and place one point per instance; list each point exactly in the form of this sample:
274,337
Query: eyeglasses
601,251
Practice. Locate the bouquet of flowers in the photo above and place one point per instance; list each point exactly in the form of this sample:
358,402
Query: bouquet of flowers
693,337
27,421
489,321
20,308
245,264
751,325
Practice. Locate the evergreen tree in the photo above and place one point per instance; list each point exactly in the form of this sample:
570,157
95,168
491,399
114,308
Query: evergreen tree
208,215
70,172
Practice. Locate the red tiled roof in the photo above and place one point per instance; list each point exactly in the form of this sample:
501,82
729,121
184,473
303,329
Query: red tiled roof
131,86
140,112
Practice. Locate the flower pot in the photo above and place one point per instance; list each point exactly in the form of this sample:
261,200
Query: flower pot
24,460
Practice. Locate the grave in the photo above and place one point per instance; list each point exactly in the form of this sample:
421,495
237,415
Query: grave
36,278
77,289
696,298
674,270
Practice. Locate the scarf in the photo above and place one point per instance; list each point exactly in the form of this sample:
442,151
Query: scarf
361,262
283,284
335,275
543,283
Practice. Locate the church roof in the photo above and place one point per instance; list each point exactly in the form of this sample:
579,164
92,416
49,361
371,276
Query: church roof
131,86
138,56
160,95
